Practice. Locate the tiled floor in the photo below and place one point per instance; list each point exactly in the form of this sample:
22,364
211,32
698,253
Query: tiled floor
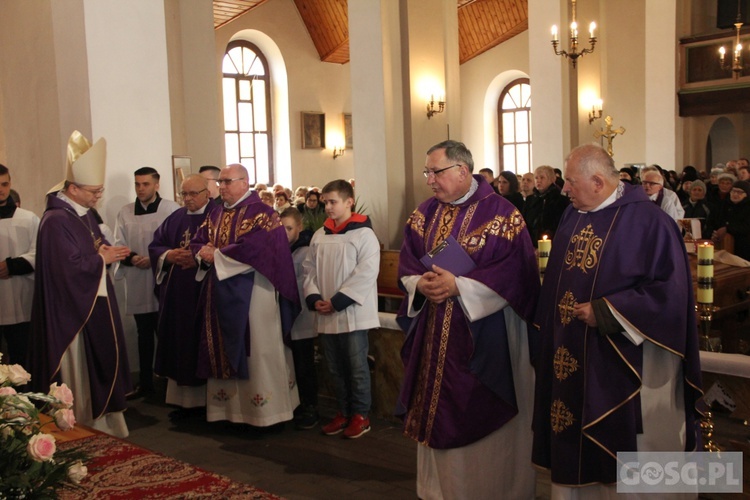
290,463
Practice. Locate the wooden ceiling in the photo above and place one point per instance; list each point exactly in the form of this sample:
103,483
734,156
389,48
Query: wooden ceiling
482,24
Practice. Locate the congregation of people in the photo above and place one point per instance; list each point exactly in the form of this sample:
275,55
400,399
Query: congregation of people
233,289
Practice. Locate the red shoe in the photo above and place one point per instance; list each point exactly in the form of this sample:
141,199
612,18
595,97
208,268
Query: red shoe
358,425
336,425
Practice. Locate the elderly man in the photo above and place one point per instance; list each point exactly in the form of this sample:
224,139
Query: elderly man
467,389
666,199
136,223
250,299
619,368
18,228
543,209
174,270
77,335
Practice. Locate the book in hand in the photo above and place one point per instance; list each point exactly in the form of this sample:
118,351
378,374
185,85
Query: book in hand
450,256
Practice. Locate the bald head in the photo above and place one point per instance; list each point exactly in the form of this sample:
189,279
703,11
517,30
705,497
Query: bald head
233,183
195,192
590,177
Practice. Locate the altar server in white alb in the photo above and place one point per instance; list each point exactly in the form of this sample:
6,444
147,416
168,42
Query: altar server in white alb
18,228
135,228
341,275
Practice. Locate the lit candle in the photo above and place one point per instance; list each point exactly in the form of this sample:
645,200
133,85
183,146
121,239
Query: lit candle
737,51
592,27
544,245
554,32
706,272
574,29
722,52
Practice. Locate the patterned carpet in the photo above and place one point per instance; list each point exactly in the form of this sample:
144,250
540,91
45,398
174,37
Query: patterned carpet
119,470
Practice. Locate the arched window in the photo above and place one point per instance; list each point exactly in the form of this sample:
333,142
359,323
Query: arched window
514,126
247,111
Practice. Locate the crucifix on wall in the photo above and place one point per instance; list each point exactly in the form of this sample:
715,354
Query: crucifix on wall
609,133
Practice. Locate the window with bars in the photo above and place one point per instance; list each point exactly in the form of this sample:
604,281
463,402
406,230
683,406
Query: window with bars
514,126
247,111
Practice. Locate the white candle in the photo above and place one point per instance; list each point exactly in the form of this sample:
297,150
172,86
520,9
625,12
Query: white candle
705,272
544,245
592,27
554,33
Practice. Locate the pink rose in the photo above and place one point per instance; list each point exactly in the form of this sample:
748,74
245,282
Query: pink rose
41,447
7,391
77,471
63,394
65,419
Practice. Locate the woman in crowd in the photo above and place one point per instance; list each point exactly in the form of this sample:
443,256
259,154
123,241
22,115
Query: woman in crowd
507,186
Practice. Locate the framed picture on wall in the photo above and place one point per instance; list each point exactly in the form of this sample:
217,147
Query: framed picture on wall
348,138
313,130
180,170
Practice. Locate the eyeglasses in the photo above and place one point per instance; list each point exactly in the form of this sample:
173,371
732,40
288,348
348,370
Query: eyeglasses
227,182
95,192
427,173
192,194
650,183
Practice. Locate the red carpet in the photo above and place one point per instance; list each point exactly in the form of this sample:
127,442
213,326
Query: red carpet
118,469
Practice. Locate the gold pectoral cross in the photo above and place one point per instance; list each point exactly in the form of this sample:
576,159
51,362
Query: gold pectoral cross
185,239
609,134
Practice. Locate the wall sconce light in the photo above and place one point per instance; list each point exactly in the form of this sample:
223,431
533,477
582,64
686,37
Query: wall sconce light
596,111
431,109
338,151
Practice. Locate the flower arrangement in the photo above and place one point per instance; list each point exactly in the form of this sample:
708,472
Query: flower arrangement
30,464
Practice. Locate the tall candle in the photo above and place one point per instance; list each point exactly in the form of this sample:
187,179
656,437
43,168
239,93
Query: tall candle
544,245
705,272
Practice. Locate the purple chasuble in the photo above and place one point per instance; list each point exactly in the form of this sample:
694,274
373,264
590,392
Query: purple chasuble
250,233
68,273
458,382
178,329
587,405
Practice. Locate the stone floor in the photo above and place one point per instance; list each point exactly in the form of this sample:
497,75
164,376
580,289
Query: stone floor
290,463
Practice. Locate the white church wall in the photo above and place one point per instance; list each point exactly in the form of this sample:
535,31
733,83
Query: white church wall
313,86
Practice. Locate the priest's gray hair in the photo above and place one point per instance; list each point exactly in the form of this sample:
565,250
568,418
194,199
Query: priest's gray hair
593,159
455,151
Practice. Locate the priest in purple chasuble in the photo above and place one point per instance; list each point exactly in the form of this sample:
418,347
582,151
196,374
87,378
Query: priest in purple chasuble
174,270
77,336
618,368
467,392
250,299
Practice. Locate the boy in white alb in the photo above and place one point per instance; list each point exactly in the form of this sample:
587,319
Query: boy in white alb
340,283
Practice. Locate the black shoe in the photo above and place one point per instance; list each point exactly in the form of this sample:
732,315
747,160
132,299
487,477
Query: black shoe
139,392
307,418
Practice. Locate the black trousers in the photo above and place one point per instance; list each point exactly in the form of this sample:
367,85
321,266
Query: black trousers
303,352
17,338
146,324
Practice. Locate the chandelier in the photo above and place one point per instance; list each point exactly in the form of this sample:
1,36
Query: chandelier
736,64
573,53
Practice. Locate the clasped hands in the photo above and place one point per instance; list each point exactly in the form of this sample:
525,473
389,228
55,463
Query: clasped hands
182,257
438,285
206,253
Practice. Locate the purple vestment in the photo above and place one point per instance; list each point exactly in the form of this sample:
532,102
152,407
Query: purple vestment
178,330
250,233
68,273
588,405
458,382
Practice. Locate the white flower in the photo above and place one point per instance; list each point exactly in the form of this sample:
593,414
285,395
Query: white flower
15,374
77,471
64,419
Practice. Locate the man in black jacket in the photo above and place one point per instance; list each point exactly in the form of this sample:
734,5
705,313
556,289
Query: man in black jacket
544,208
